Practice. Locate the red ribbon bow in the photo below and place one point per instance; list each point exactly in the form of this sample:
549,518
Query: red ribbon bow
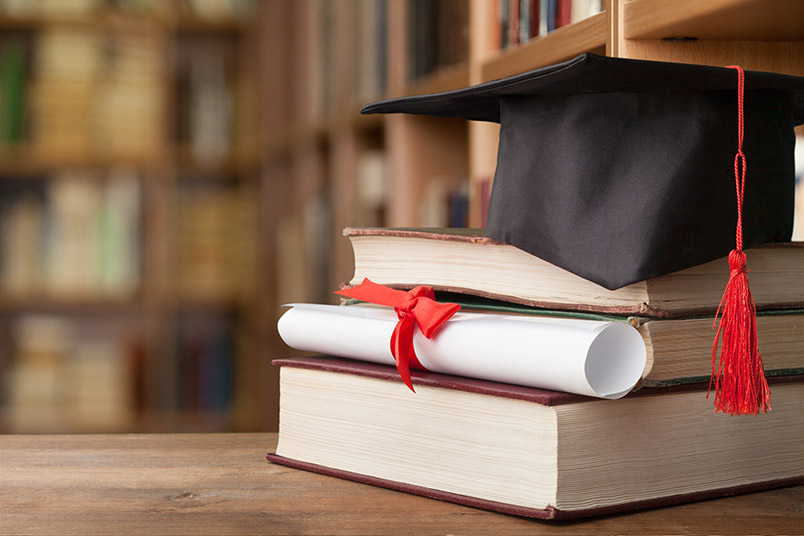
415,307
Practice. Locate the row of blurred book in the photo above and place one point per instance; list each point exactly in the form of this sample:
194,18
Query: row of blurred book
206,9
519,21
75,236
92,373
81,235
121,250
71,92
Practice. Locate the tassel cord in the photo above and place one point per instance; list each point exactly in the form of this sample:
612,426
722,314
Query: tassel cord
738,375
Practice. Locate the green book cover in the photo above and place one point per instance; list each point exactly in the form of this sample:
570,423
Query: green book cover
12,93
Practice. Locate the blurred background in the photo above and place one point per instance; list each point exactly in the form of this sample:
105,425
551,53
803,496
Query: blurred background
173,171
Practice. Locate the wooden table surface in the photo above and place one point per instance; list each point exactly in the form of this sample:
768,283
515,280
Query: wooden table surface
222,484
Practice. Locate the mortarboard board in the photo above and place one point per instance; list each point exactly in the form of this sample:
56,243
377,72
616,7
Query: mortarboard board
621,170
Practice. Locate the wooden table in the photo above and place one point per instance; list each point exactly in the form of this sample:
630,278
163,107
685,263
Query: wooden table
222,484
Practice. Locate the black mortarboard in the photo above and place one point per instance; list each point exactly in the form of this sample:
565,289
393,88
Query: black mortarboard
621,170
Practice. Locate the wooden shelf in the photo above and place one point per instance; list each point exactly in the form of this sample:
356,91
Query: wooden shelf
175,20
192,24
218,301
280,143
22,162
445,79
70,303
25,23
588,35
26,161
101,19
352,118
735,20
235,163
361,122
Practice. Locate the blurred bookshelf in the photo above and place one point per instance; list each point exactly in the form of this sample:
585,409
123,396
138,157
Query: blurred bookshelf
173,172
128,166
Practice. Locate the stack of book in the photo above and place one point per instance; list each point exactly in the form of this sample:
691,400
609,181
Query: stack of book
514,421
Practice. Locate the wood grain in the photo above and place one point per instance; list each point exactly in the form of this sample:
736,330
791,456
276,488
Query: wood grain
221,484
749,20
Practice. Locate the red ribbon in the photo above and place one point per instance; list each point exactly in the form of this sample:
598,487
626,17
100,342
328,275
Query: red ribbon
415,307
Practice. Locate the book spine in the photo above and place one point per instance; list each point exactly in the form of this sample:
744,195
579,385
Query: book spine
564,12
545,13
524,20
535,18
552,15
12,93
513,25
504,10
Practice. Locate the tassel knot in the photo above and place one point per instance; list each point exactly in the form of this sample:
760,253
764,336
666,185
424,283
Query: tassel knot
737,260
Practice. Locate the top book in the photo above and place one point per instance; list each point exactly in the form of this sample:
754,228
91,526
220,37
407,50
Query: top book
465,261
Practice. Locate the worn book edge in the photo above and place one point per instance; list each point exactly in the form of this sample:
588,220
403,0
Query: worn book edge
536,395
475,236
530,394
547,513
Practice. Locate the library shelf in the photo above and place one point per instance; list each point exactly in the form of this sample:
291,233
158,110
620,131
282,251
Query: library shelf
731,20
587,35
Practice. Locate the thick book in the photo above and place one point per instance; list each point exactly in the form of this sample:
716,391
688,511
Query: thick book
527,451
465,261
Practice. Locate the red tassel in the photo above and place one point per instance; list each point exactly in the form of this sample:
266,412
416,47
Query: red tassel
739,378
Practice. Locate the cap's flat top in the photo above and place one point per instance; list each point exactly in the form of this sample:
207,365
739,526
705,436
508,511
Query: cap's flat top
590,73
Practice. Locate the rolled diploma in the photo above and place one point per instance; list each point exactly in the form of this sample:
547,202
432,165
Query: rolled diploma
587,357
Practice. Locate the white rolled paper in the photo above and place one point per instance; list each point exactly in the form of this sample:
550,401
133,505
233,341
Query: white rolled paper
587,357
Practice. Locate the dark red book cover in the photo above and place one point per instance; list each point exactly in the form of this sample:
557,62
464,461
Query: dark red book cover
534,25
563,13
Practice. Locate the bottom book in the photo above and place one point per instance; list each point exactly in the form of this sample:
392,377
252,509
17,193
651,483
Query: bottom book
526,451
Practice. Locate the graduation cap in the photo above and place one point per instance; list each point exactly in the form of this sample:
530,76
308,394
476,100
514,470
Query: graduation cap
621,170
